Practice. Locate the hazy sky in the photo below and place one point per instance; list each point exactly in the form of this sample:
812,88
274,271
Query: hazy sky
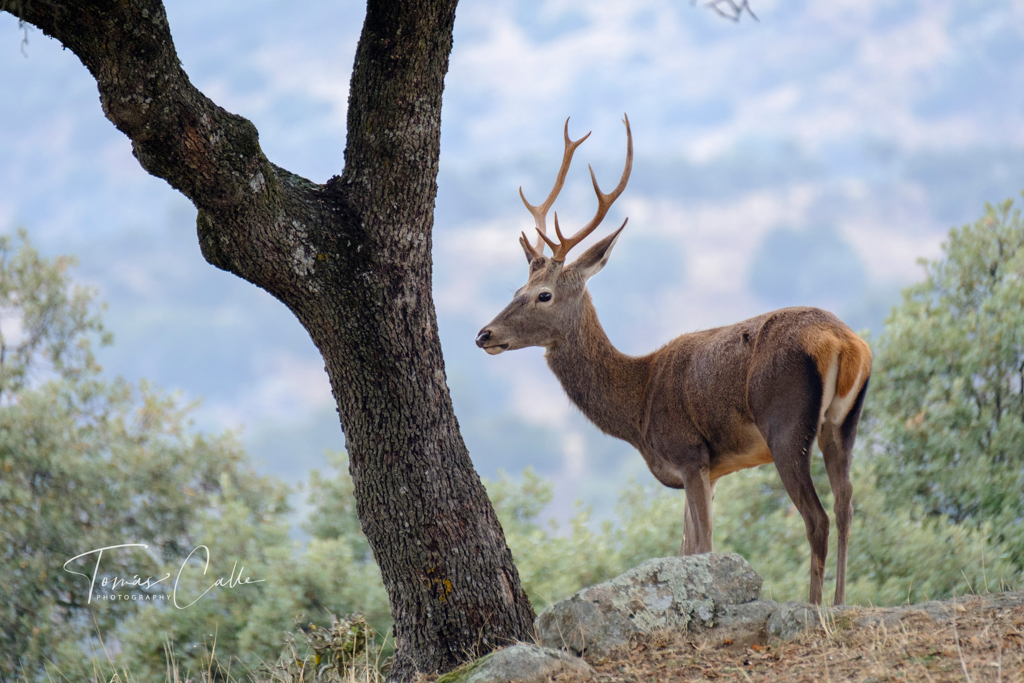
807,158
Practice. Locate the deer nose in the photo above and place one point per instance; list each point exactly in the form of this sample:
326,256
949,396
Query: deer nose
482,338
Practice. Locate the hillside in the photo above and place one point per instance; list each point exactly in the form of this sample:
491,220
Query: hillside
981,639
973,638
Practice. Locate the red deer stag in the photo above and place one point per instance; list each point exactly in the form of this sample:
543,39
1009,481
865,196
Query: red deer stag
707,403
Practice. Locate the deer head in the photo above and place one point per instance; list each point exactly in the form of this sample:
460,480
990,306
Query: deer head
554,294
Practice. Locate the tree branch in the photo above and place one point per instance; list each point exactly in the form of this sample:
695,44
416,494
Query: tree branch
731,9
175,130
211,155
352,260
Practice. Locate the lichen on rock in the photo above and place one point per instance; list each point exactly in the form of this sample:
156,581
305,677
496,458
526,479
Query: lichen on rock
679,593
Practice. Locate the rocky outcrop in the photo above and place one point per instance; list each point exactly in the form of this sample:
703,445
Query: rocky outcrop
711,598
693,594
520,663
938,611
792,619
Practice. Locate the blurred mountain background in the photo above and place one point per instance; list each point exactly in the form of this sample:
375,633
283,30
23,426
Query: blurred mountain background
808,158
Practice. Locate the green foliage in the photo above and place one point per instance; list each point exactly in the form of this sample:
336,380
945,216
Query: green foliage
947,401
551,565
85,464
342,645
338,574
346,651
247,625
894,556
239,543
45,324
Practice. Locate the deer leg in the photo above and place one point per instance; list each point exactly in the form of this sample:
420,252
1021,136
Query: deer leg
836,443
697,516
837,464
795,471
785,399
689,531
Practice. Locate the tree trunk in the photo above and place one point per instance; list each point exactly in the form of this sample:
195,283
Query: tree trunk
351,259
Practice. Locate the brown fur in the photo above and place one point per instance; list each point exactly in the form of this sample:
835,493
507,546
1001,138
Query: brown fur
728,464
826,344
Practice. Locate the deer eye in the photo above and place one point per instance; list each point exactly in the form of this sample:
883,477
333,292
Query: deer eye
544,296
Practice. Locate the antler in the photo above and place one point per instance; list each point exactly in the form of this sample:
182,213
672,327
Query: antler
604,202
540,212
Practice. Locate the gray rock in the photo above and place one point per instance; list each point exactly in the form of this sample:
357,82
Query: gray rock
521,663
936,611
681,593
793,619
741,625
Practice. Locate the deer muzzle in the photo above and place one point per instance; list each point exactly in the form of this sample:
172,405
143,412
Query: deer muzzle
483,340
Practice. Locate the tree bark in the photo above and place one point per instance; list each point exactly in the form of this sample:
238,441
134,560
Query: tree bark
352,260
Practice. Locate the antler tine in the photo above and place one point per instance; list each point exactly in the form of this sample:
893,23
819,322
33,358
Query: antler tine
540,212
604,202
546,239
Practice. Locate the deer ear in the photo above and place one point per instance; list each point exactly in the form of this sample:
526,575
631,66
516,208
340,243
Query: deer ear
526,249
593,260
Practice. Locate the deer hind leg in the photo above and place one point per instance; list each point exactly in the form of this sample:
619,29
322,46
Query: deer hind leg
836,443
785,399
837,463
795,470
697,516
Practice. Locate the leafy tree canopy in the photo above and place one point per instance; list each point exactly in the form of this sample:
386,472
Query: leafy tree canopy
45,323
246,627
86,464
946,408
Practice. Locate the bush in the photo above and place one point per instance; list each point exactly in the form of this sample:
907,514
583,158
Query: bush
946,408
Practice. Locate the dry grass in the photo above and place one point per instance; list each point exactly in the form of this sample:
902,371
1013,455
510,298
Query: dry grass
345,652
978,643
976,640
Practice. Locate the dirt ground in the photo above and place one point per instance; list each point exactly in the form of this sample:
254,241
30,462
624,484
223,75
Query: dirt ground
981,640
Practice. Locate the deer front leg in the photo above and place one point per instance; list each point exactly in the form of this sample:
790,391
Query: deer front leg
697,527
689,531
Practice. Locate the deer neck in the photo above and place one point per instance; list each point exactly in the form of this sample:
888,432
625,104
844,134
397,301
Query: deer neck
608,386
